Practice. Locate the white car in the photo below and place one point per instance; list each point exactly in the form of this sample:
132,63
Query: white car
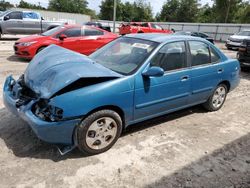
235,40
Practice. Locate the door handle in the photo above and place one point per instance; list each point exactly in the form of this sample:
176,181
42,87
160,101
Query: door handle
220,70
184,78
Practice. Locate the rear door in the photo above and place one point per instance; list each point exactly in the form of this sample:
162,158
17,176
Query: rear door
31,22
14,24
206,71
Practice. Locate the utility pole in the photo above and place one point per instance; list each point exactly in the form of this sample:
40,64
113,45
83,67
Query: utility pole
114,16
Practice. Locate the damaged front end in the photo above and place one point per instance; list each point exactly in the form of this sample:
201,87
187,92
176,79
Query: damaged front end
42,96
45,120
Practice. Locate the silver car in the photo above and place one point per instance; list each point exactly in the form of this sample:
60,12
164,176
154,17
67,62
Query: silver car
235,40
24,22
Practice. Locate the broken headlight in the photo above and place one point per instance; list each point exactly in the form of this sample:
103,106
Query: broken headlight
47,112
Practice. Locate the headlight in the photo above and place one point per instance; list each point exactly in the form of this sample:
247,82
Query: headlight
47,112
27,43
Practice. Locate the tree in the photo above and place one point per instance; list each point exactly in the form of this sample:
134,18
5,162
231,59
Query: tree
226,10
140,10
169,11
24,4
206,14
72,6
5,5
143,11
107,8
243,13
187,11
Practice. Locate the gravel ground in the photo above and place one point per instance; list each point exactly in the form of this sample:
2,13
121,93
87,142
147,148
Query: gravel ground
189,148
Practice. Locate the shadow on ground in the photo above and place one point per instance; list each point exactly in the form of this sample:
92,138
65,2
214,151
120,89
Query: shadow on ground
9,38
228,166
19,137
14,58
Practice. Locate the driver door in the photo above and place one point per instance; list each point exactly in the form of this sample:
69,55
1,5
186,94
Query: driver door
72,40
158,95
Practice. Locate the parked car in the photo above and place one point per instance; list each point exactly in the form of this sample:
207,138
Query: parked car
75,100
244,54
24,22
99,25
235,40
195,34
138,27
82,39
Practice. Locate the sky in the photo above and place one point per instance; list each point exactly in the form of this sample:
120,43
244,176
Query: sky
94,4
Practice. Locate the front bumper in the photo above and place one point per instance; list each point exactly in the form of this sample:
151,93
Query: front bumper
23,52
53,132
234,45
244,59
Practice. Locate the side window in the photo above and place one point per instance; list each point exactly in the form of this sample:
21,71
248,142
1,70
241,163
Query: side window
199,53
15,15
172,56
30,15
72,32
92,32
215,58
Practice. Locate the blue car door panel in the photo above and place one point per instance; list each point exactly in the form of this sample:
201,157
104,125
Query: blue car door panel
158,95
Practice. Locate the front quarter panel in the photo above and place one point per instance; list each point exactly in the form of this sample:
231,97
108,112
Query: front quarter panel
118,93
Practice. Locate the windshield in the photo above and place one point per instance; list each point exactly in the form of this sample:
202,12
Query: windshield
124,55
53,31
244,33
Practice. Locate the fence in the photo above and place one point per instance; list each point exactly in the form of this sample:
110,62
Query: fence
218,31
61,16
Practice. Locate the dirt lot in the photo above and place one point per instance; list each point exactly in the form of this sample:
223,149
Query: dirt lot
190,148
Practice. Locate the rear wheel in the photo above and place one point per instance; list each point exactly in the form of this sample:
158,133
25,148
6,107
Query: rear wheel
98,132
217,99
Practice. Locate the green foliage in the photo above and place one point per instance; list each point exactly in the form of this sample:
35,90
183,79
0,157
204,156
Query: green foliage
206,14
71,6
179,11
226,10
24,4
140,10
5,5
169,11
107,7
243,13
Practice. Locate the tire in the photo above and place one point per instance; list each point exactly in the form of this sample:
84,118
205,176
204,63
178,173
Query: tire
0,34
220,93
98,132
40,49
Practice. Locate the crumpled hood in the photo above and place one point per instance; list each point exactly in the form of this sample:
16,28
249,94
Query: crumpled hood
55,68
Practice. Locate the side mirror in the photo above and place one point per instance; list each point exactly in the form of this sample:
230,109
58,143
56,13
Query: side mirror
62,37
42,18
153,72
6,18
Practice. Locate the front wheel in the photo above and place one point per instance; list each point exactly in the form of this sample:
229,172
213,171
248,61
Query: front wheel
217,99
98,132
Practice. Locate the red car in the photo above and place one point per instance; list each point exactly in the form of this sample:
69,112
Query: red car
137,27
82,39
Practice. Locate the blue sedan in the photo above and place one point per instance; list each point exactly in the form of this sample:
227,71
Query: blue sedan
74,100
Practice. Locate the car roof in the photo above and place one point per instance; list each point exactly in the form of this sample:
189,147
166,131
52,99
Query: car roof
161,37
